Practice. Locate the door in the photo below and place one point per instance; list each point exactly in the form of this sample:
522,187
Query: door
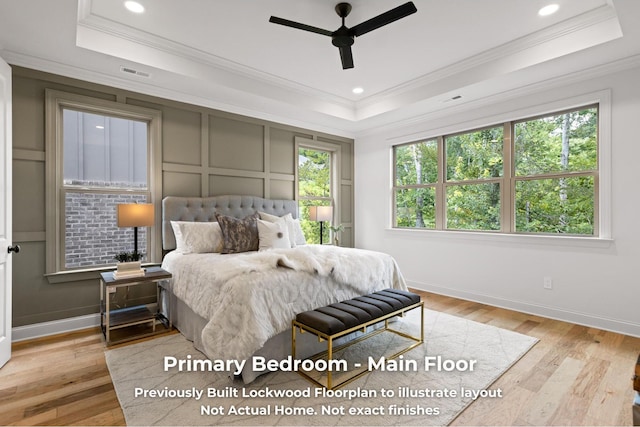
5,212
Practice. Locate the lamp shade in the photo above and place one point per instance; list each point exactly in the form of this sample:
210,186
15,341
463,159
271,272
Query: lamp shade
320,213
135,215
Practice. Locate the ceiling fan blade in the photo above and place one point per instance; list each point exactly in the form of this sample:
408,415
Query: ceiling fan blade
346,56
384,19
299,26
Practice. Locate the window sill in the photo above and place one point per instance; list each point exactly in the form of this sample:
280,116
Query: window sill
68,276
519,239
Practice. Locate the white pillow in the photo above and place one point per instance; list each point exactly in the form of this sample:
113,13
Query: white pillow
197,237
288,219
272,235
298,234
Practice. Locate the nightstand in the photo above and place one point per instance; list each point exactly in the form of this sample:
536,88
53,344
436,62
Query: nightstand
127,323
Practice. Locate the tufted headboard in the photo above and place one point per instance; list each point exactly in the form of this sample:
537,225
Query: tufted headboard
203,209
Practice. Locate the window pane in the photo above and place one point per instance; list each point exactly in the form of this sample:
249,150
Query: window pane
473,207
564,205
92,236
311,229
102,151
563,142
417,163
314,173
416,207
475,155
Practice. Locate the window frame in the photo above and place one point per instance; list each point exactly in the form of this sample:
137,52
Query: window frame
335,163
446,183
55,103
595,173
602,180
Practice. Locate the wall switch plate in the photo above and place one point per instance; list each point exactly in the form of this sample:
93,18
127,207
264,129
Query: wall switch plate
547,282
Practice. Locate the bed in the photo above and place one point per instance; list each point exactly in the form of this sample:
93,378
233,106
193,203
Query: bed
235,306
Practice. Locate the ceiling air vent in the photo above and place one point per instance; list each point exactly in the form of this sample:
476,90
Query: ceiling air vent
453,98
134,72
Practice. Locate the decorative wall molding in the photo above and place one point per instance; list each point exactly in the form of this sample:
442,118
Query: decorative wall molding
29,155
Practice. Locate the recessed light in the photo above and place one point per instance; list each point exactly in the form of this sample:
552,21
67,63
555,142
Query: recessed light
357,90
134,6
548,10
99,127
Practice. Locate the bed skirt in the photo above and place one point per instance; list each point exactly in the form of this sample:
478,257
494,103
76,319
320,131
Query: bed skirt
278,347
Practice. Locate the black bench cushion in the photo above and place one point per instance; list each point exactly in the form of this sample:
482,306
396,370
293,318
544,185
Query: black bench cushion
406,297
347,314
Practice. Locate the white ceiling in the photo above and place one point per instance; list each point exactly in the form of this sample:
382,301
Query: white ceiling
225,54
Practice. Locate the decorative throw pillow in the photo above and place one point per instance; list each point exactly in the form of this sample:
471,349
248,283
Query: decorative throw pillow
273,235
238,235
288,219
298,234
197,237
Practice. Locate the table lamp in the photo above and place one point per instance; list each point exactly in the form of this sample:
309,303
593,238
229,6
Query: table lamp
135,215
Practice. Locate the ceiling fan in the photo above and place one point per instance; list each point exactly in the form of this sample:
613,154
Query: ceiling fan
343,37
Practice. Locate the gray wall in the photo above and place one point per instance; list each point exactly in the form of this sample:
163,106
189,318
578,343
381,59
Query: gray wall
204,153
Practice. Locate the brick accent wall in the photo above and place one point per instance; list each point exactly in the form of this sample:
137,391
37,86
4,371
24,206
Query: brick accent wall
92,236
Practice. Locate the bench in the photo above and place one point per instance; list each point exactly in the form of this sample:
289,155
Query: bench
356,315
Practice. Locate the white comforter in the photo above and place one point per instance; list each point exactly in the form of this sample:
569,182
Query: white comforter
251,297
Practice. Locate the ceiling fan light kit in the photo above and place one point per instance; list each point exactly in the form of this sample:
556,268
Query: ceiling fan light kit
344,37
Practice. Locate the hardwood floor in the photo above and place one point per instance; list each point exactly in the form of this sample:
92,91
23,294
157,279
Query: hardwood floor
575,375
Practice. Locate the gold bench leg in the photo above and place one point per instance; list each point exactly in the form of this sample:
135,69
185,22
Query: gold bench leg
329,358
293,341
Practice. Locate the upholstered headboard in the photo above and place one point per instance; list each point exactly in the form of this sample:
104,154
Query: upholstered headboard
203,209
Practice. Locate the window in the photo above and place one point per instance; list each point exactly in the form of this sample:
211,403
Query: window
416,175
316,182
473,179
556,165
105,164
538,175
103,158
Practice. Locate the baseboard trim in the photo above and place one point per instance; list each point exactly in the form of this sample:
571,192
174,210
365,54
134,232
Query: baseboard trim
613,325
38,330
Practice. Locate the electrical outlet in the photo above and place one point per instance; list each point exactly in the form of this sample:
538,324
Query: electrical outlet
547,282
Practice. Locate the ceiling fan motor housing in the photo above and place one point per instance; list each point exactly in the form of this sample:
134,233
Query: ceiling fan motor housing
342,37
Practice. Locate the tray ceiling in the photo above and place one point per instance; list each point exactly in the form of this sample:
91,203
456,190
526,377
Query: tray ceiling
225,54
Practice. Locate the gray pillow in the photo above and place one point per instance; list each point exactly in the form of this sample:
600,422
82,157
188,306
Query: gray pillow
238,235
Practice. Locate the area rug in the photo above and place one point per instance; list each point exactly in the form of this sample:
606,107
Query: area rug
429,385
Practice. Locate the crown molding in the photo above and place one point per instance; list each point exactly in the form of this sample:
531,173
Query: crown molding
229,86
270,111
546,35
496,98
345,129
586,30
514,55
111,28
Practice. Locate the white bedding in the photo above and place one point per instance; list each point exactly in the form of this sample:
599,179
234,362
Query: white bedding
250,297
